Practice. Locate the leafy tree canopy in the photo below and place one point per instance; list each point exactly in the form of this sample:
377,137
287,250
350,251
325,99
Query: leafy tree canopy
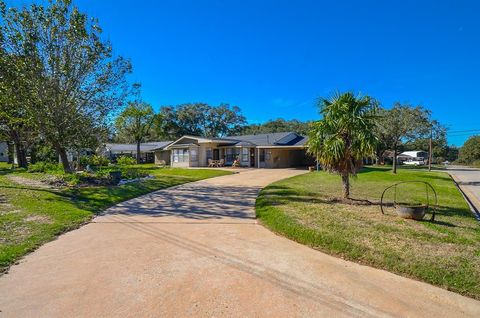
278,125
134,123
76,81
402,124
439,142
199,119
470,151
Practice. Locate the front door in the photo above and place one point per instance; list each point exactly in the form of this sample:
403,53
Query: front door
252,157
216,154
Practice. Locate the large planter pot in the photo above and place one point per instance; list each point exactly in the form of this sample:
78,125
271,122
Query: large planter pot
416,212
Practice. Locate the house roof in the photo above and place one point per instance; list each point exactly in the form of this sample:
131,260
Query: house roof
144,147
283,139
272,139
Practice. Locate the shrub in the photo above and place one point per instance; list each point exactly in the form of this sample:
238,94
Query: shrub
85,160
133,173
124,160
99,160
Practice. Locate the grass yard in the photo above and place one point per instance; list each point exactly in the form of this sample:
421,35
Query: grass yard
445,252
31,216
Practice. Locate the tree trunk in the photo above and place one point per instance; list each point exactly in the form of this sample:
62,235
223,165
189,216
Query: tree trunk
20,152
138,151
11,156
394,169
33,154
62,153
346,185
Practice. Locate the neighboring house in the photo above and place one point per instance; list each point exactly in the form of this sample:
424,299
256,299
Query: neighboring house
150,152
409,156
3,152
274,150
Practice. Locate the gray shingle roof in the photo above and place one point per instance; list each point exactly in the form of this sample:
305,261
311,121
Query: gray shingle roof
271,139
144,147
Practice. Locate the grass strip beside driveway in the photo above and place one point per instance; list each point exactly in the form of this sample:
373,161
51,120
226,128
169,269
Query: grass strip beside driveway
445,253
31,216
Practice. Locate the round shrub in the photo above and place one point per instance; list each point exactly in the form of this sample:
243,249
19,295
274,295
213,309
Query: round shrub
99,160
124,161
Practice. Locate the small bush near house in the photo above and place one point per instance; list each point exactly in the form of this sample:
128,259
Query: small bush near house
84,161
124,161
99,161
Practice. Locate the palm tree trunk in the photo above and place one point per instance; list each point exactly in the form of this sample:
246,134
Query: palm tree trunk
346,185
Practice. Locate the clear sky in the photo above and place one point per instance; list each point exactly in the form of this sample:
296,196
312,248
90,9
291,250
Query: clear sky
275,58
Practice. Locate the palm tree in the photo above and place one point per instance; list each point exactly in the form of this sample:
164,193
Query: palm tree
345,135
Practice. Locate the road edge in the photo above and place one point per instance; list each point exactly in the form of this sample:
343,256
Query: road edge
472,201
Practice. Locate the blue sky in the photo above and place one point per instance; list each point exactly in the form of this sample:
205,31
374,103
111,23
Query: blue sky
275,58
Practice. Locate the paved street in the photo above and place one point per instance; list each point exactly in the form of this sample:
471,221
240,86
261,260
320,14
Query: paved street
469,180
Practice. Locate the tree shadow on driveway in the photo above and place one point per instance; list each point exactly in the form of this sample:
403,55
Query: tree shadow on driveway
198,201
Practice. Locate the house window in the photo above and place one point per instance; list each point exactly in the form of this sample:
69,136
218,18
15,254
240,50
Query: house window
232,154
262,155
245,154
180,155
175,155
209,153
193,154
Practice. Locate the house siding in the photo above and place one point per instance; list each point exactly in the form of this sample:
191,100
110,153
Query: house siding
162,155
3,152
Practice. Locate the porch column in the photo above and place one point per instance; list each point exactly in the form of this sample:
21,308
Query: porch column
258,157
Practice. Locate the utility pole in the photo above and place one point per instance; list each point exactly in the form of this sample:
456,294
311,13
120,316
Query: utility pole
430,150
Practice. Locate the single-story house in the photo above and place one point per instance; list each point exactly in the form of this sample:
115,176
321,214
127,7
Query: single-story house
273,150
150,152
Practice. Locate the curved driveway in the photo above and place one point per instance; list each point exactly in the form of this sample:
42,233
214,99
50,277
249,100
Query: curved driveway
197,250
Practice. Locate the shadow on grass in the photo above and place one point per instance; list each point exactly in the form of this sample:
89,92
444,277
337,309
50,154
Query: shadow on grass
97,198
276,195
54,191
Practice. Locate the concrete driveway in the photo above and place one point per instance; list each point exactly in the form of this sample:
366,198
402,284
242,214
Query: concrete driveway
196,250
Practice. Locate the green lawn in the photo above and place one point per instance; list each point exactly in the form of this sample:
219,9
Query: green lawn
30,216
445,252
